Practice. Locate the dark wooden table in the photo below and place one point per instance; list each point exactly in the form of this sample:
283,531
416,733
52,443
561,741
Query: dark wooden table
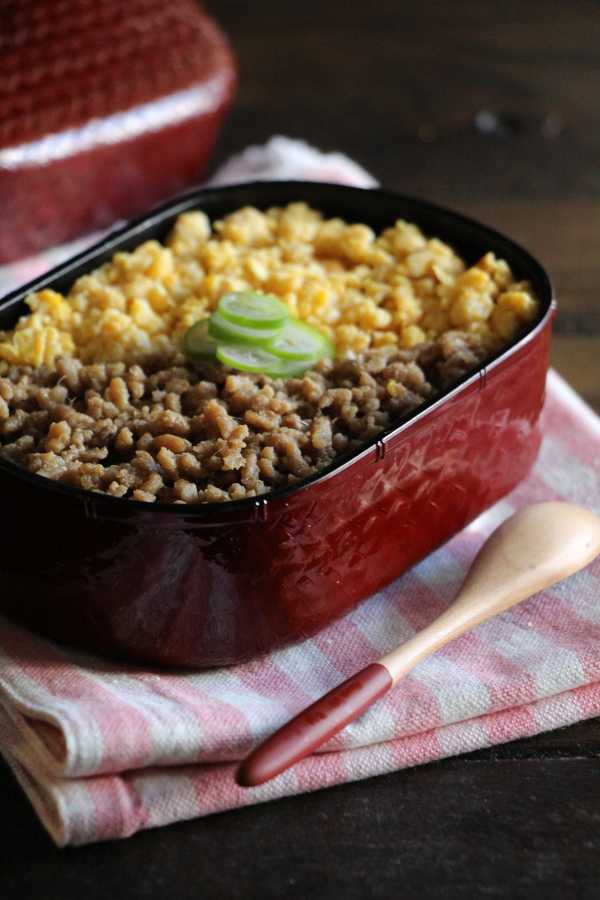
492,108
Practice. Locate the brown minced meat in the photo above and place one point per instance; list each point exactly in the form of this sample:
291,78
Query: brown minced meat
179,431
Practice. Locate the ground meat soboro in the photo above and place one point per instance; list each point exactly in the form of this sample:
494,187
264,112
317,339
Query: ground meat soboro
183,432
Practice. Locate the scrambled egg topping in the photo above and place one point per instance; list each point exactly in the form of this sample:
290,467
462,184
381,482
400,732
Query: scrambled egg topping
361,290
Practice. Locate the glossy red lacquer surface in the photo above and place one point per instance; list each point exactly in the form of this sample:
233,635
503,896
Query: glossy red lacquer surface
216,584
314,725
95,121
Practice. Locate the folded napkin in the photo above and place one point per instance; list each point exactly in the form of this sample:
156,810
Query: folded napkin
104,749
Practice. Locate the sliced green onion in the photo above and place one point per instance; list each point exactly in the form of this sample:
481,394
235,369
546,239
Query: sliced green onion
283,351
253,310
288,368
222,330
248,359
300,341
197,341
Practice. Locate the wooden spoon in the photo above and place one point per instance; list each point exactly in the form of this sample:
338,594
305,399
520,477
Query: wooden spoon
535,548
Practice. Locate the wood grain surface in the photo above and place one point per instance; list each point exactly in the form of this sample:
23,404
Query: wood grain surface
492,108
517,822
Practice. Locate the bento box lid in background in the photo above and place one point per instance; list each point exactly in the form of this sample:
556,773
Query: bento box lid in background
106,108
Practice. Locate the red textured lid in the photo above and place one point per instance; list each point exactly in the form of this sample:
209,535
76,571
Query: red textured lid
64,62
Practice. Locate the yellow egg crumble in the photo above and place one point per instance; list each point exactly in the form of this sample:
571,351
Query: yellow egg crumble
361,290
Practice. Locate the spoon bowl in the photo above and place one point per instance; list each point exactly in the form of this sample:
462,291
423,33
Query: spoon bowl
530,551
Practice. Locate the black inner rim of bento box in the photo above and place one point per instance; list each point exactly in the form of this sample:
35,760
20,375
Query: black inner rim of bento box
377,208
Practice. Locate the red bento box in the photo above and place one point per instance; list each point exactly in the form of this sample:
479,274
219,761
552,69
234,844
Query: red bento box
217,583
106,108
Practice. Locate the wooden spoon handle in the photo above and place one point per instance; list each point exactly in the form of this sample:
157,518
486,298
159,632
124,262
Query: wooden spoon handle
535,548
314,725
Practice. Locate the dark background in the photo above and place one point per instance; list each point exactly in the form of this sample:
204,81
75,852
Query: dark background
492,108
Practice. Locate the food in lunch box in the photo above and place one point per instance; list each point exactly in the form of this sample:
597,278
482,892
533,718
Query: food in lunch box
242,357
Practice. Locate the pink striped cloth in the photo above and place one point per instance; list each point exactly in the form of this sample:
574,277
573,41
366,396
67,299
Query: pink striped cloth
103,749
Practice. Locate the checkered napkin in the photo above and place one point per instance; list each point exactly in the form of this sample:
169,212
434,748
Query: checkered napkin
104,749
